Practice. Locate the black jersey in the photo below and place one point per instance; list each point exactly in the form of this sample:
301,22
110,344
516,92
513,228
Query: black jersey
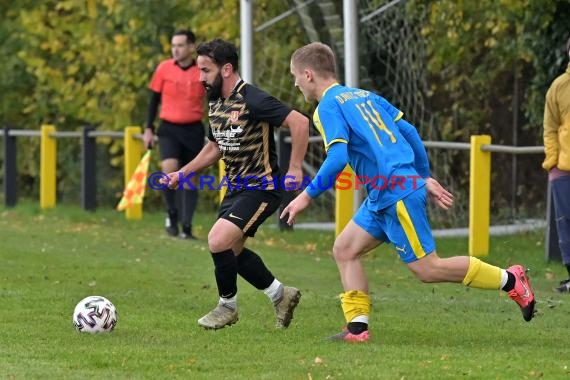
242,126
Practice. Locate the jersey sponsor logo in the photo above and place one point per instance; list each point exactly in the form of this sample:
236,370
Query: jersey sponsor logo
234,116
236,130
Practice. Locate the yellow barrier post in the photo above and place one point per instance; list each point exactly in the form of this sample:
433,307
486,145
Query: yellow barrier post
479,196
221,174
133,153
344,201
48,165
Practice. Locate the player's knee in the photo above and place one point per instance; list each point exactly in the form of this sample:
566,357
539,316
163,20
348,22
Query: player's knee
342,251
428,269
427,272
424,276
217,242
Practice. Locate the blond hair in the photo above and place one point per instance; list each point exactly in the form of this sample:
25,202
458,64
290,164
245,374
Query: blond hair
316,56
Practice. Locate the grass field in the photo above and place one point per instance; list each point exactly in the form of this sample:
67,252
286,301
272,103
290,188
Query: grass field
161,286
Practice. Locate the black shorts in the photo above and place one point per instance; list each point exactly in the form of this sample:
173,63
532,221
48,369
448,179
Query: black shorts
180,141
248,209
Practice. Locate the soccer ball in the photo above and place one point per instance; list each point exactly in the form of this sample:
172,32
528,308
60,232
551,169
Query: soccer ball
95,314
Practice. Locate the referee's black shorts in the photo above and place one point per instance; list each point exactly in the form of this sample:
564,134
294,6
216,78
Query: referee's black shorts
248,209
180,141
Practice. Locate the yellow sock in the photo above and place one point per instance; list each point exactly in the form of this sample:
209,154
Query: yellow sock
355,303
482,275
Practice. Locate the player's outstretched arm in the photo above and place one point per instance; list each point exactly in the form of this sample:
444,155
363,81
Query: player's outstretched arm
337,157
209,155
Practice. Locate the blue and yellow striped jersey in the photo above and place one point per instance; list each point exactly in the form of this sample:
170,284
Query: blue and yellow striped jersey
377,149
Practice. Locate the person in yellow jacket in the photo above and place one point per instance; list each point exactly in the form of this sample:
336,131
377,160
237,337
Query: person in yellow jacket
557,161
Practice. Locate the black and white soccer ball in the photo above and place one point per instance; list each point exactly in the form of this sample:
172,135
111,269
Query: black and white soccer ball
95,314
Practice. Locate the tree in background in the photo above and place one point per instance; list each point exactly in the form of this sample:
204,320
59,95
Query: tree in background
490,63
71,63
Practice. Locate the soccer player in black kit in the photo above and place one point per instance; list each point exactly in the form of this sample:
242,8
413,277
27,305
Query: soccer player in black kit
242,119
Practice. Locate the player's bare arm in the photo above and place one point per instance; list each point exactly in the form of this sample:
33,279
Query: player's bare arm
209,155
298,125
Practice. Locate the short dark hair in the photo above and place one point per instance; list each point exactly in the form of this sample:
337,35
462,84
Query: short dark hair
220,51
190,37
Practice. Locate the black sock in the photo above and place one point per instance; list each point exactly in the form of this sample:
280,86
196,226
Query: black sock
189,202
510,282
253,270
568,269
357,327
226,273
169,199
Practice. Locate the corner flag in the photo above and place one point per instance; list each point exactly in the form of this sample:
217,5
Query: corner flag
134,191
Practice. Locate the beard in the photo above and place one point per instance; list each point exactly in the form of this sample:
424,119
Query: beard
215,89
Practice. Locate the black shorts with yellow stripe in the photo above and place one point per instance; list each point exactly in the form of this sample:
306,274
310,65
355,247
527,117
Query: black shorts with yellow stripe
248,209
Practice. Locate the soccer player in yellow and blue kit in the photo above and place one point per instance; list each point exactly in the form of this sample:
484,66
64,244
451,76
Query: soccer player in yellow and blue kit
386,153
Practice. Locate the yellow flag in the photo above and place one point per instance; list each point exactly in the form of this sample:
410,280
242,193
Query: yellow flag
134,191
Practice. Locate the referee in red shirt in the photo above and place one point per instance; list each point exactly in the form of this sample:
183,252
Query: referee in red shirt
176,86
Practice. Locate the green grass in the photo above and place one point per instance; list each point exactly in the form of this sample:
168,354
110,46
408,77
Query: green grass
161,286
